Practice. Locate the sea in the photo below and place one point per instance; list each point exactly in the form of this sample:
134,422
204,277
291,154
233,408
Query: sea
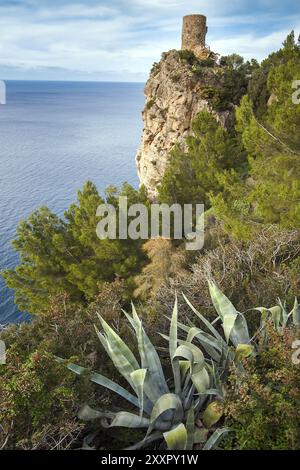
54,136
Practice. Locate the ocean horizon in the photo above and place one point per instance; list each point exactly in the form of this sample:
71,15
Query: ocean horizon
54,136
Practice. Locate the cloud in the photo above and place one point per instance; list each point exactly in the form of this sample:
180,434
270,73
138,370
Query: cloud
102,38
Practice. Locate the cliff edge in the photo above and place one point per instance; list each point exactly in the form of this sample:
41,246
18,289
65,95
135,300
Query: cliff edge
175,93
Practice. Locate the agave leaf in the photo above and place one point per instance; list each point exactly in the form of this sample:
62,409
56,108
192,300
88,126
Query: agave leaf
201,381
217,387
213,414
221,303
276,313
149,357
176,439
118,351
194,355
215,393
192,333
240,332
138,379
155,384
166,337
105,382
284,314
203,336
184,367
86,413
215,438
210,344
156,436
228,324
127,420
205,321
234,323
167,403
173,344
183,352
243,351
130,319
198,357
296,313
190,427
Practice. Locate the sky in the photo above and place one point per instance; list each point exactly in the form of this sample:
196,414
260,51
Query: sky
118,40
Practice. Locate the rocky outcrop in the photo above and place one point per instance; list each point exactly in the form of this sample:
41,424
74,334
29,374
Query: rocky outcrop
173,99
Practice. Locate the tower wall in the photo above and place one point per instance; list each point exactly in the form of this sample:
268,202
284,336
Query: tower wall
194,32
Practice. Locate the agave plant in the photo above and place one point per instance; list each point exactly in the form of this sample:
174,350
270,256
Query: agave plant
226,352
201,359
222,352
280,316
166,409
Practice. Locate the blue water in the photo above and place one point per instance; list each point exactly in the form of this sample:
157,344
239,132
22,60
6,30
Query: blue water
53,137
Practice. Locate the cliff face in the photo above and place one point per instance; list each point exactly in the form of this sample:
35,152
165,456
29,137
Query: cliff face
173,99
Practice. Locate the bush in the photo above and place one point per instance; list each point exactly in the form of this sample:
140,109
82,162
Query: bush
187,57
263,403
39,399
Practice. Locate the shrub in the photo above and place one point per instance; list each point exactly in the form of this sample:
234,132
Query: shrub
155,68
151,103
187,57
39,401
175,77
36,395
263,404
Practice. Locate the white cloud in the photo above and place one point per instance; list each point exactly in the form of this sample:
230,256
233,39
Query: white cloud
251,46
93,37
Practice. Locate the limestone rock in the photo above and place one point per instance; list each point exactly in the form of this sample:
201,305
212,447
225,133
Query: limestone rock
172,102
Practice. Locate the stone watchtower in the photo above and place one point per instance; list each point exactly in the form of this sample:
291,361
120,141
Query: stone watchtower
194,33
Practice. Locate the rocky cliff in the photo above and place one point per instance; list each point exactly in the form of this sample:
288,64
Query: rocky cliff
173,98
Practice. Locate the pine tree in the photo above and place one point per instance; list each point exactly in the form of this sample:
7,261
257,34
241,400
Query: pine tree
192,174
65,255
270,192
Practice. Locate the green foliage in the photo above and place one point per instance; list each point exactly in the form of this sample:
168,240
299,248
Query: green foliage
65,255
155,68
262,404
258,89
175,77
192,175
187,57
234,83
197,66
233,61
39,399
151,103
270,190
33,394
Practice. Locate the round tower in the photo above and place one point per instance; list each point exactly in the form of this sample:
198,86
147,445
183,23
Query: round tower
194,32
